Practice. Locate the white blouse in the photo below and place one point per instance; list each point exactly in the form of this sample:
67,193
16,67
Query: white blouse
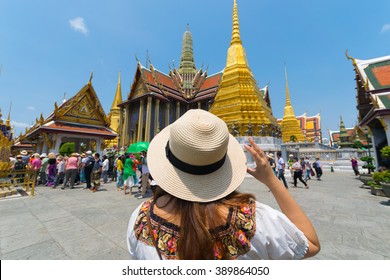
275,237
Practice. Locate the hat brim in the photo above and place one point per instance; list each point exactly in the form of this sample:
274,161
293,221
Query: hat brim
196,188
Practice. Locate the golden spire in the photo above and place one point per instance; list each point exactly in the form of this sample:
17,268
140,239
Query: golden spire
239,100
118,95
236,38
290,124
8,121
288,102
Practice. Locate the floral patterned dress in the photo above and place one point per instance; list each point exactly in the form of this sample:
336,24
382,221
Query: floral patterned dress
254,231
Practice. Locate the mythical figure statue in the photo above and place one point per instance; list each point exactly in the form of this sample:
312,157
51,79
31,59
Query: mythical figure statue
234,130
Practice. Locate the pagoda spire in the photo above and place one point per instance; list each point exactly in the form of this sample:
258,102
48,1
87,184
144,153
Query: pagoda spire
236,52
290,125
343,131
239,101
288,102
187,62
236,38
118,94
288,109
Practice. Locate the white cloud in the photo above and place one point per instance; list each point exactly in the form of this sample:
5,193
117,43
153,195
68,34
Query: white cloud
385,28
79,25
31,108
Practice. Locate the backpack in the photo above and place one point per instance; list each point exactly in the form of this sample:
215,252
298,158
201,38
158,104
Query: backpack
89,163
19,165
314,164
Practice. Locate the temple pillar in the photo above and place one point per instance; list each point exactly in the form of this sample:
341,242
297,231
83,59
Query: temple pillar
148,120
157,117
140,120
98,146
177,110
167,108
199,105
120,130
57,147
126,128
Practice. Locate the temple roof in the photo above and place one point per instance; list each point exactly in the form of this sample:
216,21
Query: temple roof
160,85
81,114
373,87
376,71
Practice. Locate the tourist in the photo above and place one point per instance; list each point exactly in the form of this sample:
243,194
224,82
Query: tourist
105,169
271,161
87,165
308,169
19,166
96,172
197,212
36,163
145,175
42,170
71,170
355,166
25,157
296,167
60,171
81,168
119,171
51,170
129,172
281,167
318,168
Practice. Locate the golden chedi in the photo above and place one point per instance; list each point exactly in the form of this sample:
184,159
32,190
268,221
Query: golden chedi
239,101
291,131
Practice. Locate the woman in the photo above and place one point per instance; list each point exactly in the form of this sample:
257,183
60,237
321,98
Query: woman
129,172
71,170
119,176
51,170
196,212
298,171
96,172
271,161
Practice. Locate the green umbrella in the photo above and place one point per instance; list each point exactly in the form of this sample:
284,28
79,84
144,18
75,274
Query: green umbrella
138,147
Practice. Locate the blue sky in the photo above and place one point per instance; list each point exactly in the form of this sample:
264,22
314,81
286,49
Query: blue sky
48,48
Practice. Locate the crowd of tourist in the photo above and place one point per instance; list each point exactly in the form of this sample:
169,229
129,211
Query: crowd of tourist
74,169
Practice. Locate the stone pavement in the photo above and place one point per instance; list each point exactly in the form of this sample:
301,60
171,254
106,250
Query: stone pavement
77,224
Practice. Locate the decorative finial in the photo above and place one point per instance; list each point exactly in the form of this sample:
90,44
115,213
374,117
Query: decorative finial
8,121
90,78
350,58
188,27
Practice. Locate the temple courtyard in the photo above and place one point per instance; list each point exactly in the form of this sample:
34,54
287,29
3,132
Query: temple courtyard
352,224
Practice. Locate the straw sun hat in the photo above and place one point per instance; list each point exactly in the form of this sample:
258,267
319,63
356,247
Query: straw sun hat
196,159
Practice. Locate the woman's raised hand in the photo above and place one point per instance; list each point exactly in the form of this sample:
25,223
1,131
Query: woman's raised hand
263,171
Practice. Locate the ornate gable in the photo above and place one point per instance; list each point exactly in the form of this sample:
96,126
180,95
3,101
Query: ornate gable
83,108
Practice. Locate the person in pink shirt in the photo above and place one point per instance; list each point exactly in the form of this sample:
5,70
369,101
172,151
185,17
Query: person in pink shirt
36,162
71,170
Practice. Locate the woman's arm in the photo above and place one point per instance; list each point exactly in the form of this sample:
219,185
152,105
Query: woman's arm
286,202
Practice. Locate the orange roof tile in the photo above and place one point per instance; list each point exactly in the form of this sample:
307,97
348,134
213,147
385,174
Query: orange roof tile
212,81
382,74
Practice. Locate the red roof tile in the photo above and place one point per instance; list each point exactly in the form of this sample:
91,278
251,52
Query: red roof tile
212,81
80,129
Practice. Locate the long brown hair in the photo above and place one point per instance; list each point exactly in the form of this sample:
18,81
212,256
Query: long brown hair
196,219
